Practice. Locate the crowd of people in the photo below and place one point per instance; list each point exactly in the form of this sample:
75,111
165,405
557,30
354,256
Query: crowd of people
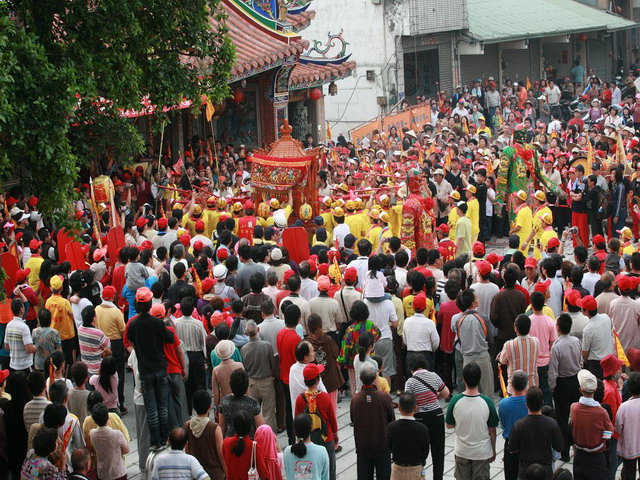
231,342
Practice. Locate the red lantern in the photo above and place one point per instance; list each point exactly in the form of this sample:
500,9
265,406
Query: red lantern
315,94
238,96
583,37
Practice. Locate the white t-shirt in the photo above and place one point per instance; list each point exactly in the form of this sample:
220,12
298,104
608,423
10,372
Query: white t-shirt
374,287
339,232
296,382
472,417
382,313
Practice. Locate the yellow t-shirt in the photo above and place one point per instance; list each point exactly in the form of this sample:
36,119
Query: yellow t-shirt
384,385
354,222
453,219
627,248
538,223
210,219
34,264
61,316
373,237
473,213
545,237
524,220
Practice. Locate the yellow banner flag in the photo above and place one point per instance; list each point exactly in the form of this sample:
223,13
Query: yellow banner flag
527,84
621,158
589,158
209,109
328,131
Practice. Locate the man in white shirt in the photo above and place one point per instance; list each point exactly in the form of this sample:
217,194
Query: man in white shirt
419,333
308,286
305,354
341,229
460,110
384,315
361,264
553,94
17,337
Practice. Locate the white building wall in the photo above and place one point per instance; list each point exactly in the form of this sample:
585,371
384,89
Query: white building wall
372,30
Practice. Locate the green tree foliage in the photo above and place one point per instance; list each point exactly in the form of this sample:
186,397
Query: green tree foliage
68,67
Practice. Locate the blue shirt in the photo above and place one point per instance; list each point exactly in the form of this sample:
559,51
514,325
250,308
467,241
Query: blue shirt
510,410
313,466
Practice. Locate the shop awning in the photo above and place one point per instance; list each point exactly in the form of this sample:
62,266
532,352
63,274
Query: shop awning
496,21
310,75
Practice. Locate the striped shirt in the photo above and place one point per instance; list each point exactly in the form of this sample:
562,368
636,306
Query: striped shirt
92,343
32,411
426,399
177,465
191,332
597,337
521,353
17,335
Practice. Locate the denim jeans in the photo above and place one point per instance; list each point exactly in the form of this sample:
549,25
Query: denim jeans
543,380
155,393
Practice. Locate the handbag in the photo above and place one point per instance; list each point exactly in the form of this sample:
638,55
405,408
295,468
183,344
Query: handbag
252,474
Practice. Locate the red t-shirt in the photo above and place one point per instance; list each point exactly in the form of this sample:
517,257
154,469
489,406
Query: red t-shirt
170,349
237,467
424,271
286,343
118,281
446,312
325,409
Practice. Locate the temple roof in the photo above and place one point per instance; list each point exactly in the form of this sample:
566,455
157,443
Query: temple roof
310,75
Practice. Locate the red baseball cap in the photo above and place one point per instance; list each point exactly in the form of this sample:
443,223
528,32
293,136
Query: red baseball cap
553,242
572,297
185,240
22,274
350,274
108,293
444,228
143,294
484,267
494,258
141,222
248,205
199,226
323,269
598,239
530,262
633,355
478,248
588,303
288,274
158,310
198,245
626,283
312,370
34,244
324,283
542,287
207,284
163,222
420,302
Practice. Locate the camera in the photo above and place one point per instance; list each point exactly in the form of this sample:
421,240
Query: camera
573,230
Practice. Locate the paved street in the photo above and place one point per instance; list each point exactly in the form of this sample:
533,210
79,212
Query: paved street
346,460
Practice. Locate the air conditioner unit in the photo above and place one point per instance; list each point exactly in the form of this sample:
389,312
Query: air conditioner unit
371,75
382,101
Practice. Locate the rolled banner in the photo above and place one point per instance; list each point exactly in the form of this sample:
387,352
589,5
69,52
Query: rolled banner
103,189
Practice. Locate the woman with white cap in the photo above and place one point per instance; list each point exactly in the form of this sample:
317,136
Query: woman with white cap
221,377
